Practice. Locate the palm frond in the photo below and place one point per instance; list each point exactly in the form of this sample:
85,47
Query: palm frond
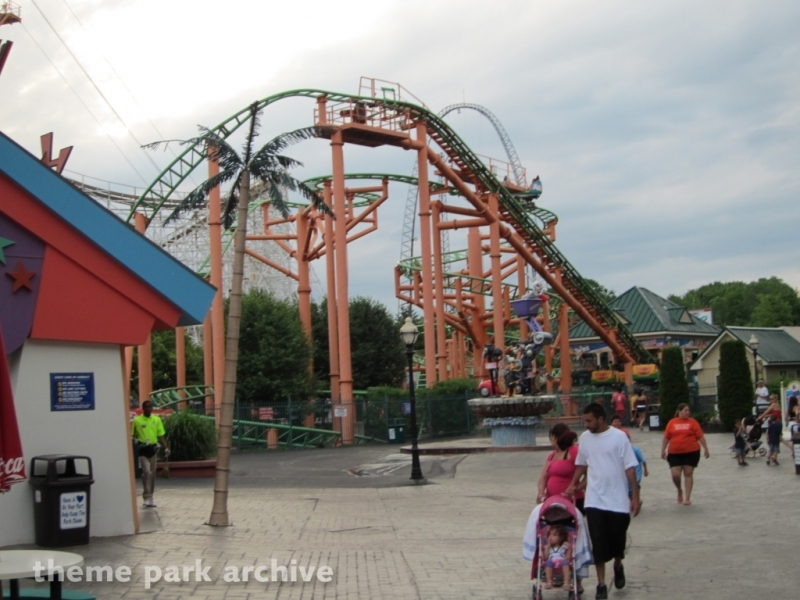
277,199
284,140
232,202
199,195
255,125
316,200
266,164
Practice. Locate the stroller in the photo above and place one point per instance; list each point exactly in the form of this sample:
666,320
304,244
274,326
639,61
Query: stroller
556,510
752,438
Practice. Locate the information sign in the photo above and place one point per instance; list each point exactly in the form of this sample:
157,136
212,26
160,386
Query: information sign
71,391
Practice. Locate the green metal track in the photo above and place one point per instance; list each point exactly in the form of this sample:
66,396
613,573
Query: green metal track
154,197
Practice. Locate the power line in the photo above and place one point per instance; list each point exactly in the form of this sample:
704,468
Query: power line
89,110
95,86
122,82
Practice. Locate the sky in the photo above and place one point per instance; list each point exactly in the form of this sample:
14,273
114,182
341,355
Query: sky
666,133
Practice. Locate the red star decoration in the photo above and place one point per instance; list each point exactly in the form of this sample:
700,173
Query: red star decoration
21,277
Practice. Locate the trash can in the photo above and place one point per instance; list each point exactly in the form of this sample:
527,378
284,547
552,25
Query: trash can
654,417
397,431
61,499
796,446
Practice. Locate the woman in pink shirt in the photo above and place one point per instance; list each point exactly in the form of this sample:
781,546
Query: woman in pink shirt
559,469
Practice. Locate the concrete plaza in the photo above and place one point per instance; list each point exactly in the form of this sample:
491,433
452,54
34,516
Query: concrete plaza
461,535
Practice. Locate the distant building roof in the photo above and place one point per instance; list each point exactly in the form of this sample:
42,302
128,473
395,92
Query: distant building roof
643,312
775,345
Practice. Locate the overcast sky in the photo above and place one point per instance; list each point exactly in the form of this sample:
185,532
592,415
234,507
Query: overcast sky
666,133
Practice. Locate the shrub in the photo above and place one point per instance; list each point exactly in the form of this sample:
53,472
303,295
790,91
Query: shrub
735,391
190,436
452,387
672,386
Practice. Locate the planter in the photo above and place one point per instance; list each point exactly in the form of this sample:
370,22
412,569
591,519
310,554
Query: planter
190,468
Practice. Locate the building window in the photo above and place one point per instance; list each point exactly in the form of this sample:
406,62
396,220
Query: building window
783,373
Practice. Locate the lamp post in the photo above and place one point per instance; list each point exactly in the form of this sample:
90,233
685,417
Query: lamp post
753,343
408,334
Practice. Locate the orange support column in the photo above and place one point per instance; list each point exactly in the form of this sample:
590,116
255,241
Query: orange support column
333,328
342,298
128,372
548,350
521,291
304,292
441,334
180,363
145,363
566,363
208,361
475,268
497,277
217,308
427,274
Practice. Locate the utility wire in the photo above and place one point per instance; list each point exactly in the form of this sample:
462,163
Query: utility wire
122,82
96,87
89,110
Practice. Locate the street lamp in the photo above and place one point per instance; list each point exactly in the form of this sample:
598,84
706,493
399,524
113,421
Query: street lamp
753,343
408,334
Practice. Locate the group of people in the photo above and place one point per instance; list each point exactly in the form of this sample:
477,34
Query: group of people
769,414
637,403
602,473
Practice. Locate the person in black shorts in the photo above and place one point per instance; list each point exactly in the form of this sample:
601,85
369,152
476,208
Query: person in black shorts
683,438
606,456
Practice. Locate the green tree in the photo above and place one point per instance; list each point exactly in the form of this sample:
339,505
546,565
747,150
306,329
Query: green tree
735,386
672,386
377,354
737,303
606,294
269,169
771,311
273,350
165,362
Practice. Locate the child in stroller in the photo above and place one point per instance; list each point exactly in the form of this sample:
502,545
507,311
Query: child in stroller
750,431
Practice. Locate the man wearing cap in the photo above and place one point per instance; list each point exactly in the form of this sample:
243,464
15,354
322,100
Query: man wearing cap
762,397
148,430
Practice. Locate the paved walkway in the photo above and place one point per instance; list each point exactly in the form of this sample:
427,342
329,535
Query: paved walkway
460,536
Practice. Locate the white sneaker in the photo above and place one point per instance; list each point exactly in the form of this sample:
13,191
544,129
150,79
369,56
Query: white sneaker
149,504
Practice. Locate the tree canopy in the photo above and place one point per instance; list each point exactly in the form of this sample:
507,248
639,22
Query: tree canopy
273,350
735,387
768,302
377,352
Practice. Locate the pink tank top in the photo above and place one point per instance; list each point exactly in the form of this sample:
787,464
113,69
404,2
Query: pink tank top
561,471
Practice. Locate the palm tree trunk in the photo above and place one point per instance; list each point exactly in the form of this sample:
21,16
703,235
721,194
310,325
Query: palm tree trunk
219,512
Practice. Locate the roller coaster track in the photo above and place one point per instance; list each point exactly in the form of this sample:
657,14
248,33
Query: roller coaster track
470,165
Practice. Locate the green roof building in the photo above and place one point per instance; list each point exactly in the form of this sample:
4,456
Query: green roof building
654,321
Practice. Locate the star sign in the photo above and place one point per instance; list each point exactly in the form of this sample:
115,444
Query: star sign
21,277
4,243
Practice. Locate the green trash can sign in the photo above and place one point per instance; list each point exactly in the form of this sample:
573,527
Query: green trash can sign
73,510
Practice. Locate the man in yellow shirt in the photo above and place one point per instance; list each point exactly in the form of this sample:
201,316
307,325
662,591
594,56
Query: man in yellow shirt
148,430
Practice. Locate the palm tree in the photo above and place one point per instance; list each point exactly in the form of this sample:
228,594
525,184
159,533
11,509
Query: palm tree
268,168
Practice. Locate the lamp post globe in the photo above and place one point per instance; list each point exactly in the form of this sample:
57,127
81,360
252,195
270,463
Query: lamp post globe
754,343
408,334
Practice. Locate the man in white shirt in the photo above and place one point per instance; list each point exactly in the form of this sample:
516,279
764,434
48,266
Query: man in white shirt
606,456
762,397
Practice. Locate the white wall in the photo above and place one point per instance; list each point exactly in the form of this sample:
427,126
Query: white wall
103,434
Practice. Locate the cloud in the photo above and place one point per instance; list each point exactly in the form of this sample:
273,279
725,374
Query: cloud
666,133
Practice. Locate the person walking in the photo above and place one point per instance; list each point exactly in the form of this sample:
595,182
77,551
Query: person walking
762,397
774,430
148,430
681,449
618,402
606,458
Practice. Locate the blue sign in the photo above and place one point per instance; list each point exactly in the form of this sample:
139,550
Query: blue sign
71,391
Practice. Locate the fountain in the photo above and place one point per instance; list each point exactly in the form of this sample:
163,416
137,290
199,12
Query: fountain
514,419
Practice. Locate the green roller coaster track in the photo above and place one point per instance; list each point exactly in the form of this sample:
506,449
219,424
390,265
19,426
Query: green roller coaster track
153,198
255,432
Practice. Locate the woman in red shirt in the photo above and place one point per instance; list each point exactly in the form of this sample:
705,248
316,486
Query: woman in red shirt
683,436
559,468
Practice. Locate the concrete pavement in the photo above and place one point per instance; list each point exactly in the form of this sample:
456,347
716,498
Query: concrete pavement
460,536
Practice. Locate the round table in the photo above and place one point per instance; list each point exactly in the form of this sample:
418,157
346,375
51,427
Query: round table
18,564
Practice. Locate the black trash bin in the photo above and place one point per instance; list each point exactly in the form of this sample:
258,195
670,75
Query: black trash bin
61,499
654,417
397,431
